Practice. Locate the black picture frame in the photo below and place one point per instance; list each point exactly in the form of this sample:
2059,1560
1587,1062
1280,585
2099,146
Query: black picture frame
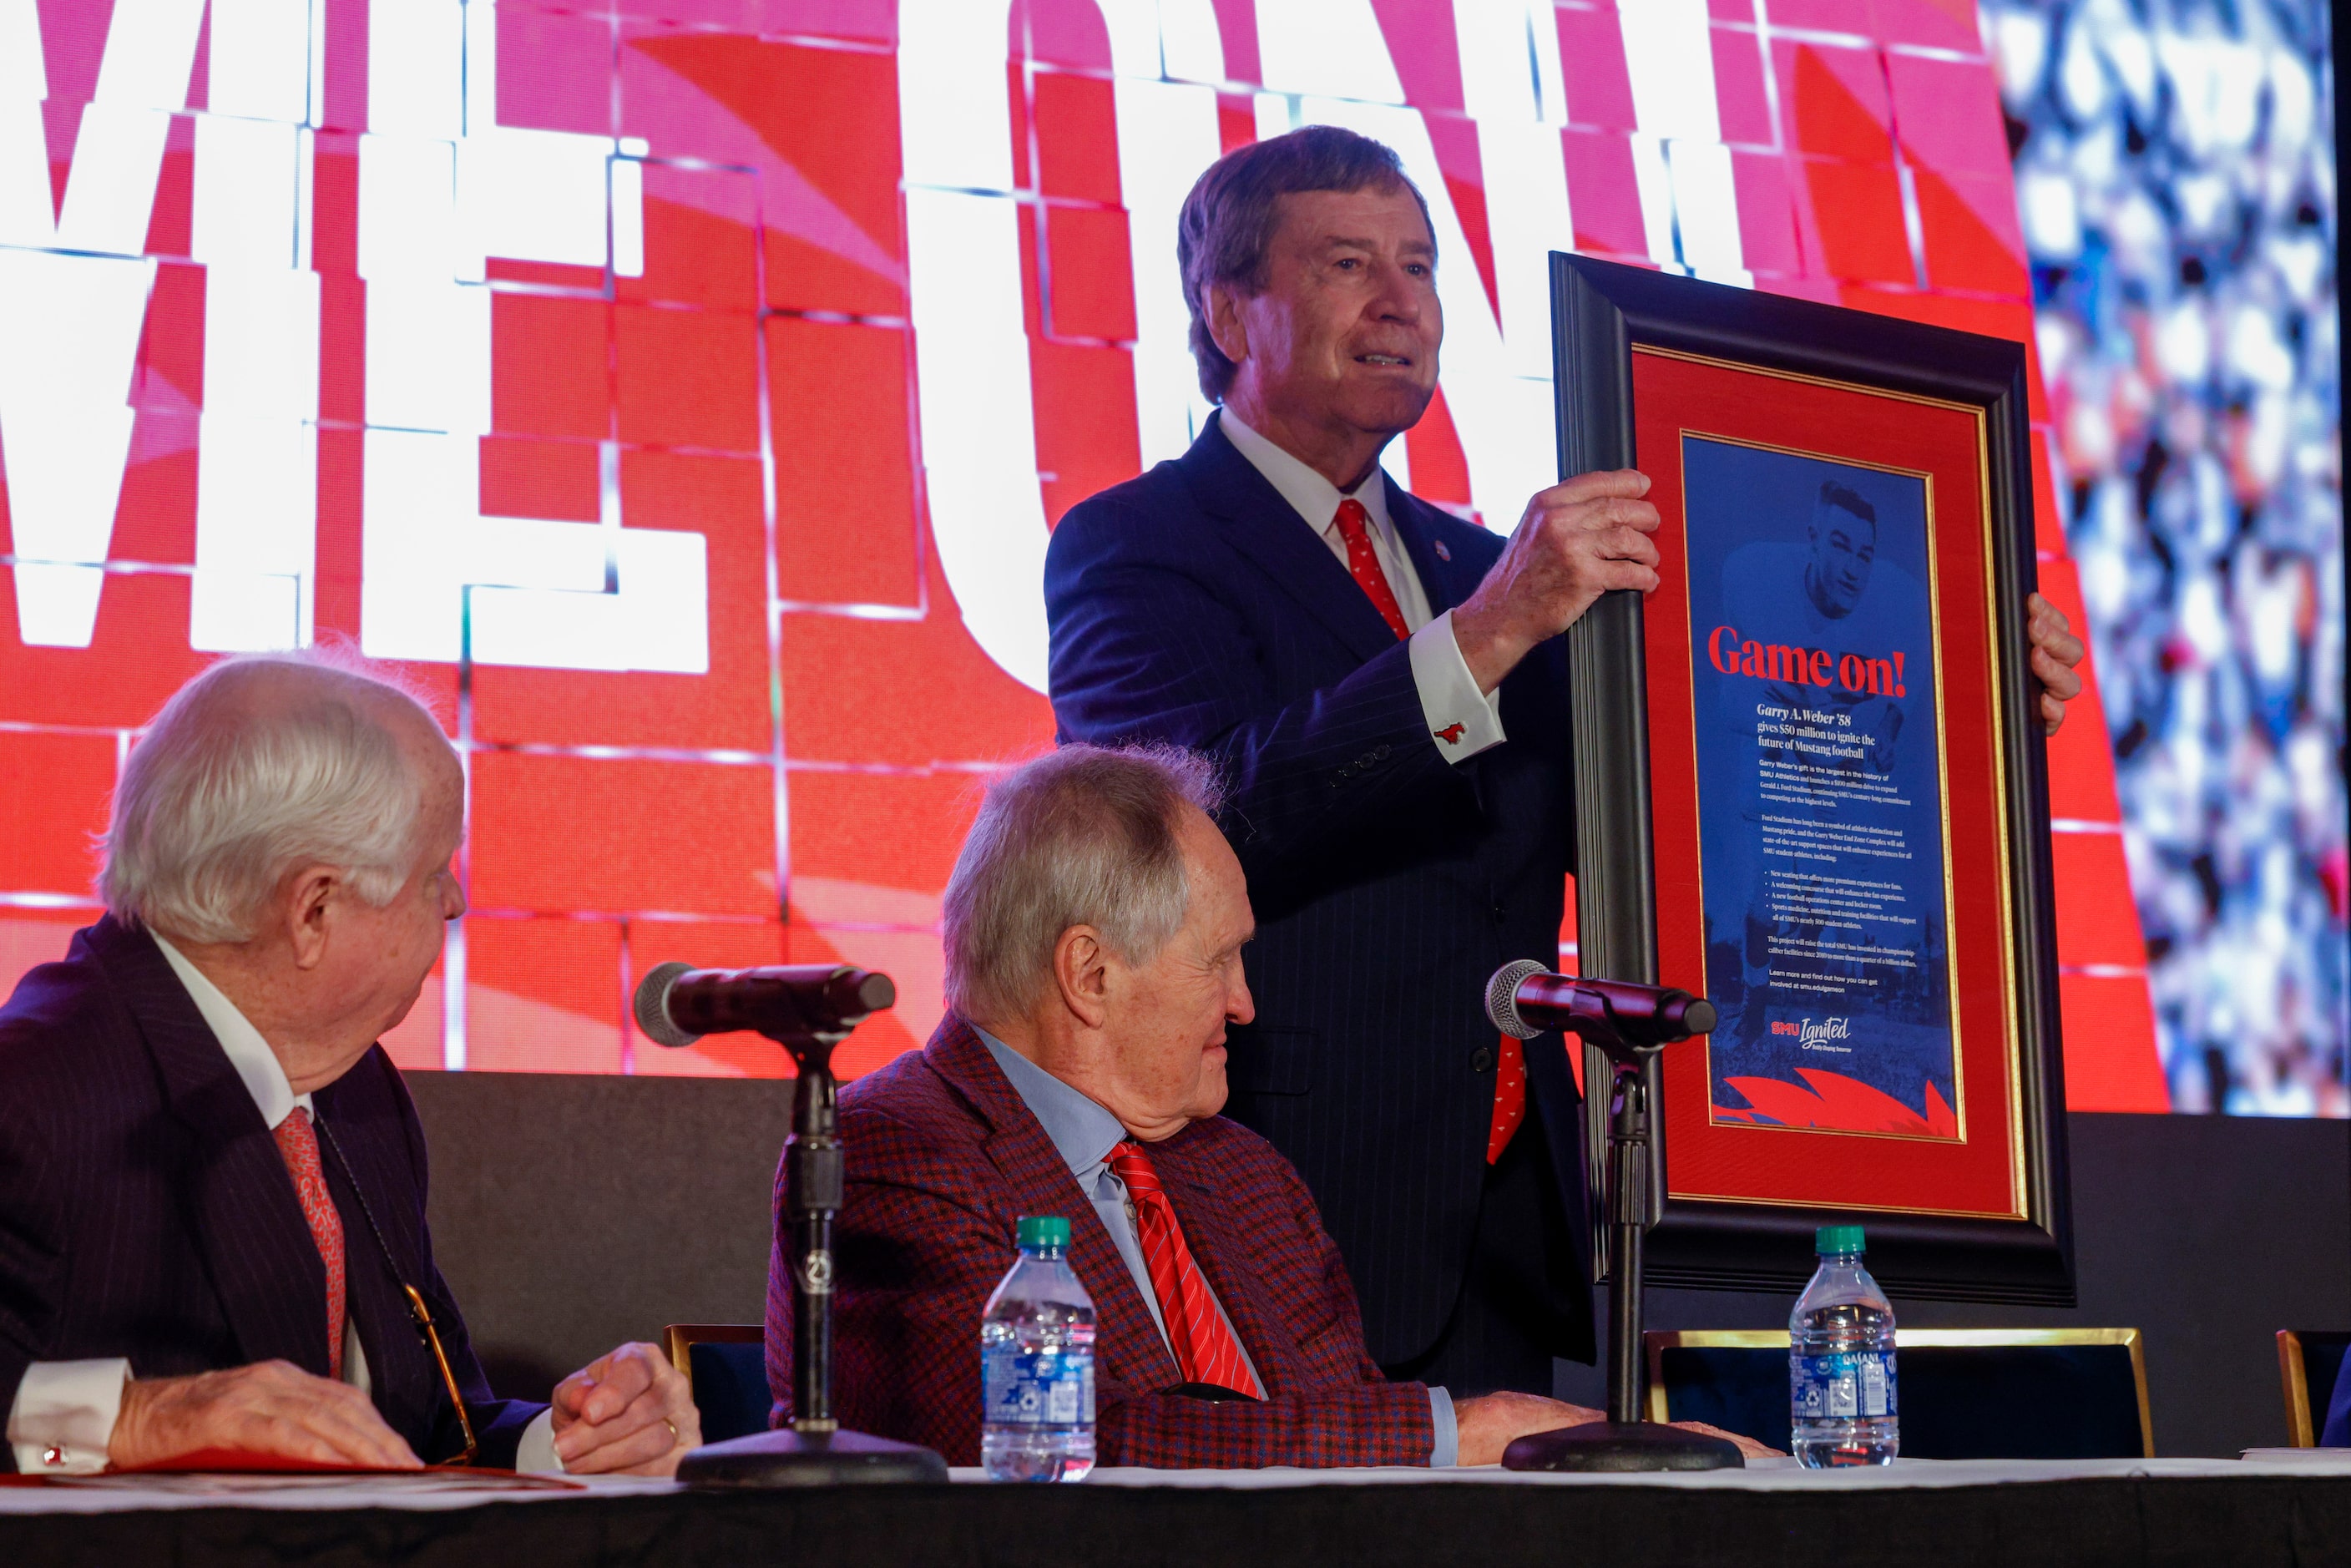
1600,312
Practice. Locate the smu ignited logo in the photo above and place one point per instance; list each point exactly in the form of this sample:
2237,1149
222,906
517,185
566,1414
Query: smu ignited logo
1816,1036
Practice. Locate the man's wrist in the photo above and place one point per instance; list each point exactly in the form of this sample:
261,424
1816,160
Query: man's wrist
65,1414
1490,651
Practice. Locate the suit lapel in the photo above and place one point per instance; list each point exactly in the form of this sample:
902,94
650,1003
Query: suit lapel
1129,1347
1269,531
240,1202
1442,580
404,1383
1228,1260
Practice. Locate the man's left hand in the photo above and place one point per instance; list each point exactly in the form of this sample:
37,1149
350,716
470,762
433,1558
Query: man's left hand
2055,651
628,1413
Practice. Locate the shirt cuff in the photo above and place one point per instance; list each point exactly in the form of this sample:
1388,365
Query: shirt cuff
536,1453
63,1415
1463,720
1446,1452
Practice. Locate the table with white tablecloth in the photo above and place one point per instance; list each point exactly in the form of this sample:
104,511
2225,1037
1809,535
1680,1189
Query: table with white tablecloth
2271,1506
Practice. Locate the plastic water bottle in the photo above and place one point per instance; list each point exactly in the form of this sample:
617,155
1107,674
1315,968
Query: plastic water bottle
1841,1389
1037,1365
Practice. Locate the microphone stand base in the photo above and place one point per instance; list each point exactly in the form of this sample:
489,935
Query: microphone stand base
1617,1446
770,1460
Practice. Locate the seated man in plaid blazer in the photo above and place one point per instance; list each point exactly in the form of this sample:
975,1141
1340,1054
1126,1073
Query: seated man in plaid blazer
1094,924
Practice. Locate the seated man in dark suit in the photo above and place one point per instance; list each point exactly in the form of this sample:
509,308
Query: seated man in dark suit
1094,926
211,1179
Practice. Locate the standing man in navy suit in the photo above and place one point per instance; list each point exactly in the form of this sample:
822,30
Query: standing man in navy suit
211,1180
1385,688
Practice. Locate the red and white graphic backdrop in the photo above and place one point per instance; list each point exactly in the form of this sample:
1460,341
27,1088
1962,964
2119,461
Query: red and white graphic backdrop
682,390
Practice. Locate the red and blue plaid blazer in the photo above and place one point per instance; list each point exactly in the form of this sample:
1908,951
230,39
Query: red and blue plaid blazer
943,1157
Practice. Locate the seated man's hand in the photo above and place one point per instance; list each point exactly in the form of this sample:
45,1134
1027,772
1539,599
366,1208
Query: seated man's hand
1491,1422
269,1407
627,1413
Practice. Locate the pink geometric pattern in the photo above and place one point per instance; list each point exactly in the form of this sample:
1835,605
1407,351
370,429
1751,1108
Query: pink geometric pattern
1205,1351
299,1143
1365,563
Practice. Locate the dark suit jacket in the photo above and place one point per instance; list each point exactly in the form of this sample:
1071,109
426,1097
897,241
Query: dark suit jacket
945,1157
1193,605
145,1210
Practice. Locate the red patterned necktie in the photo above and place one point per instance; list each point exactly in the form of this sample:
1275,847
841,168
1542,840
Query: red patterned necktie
1510,1097
1206,1350
1354,527
299,1142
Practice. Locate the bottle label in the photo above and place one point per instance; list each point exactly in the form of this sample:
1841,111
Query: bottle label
1037,1387
1847,1385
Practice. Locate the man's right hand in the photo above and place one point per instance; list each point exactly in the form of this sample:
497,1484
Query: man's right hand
1491,1422
271,1407
1578,540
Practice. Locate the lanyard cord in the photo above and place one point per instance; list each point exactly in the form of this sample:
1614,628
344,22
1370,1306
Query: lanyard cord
418,1314
366,1212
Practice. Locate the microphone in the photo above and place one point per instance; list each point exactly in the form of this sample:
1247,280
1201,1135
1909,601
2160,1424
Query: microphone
677,1004
1524,998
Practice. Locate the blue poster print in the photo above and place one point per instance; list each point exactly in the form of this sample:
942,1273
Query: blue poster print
1820,792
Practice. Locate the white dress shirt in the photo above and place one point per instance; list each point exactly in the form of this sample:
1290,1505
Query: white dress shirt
1448,692
64,1413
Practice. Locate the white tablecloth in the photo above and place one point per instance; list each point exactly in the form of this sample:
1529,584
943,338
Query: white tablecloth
432,1493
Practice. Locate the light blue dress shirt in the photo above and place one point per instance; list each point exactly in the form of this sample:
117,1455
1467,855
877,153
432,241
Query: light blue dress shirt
1084,1133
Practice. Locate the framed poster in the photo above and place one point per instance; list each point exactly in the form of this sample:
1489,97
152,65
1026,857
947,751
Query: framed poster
1812,787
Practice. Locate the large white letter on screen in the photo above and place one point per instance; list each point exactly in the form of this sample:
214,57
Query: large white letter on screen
971,346
73,297
443,187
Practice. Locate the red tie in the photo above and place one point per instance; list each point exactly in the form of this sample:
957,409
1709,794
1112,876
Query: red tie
299,1143
1510,1097
1354,527
1206,1350
1511,1066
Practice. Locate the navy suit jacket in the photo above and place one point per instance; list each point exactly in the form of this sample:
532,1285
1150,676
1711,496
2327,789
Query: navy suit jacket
1193,605
146,1212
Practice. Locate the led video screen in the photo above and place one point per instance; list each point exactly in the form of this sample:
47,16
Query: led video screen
682,392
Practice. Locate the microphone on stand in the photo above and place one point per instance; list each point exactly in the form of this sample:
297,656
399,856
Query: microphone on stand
1524,998
677,1004
1629,1023
808,1008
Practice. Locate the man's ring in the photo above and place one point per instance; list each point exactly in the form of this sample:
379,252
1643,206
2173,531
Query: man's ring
672,1431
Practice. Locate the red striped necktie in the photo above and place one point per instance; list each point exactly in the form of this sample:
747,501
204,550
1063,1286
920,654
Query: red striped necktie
1364,561
299,1142
1206,1350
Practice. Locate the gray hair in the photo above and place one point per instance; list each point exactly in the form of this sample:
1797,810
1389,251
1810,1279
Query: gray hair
1085,836
236,786
1227,223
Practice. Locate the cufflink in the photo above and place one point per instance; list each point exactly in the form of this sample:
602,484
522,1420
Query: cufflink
53,1456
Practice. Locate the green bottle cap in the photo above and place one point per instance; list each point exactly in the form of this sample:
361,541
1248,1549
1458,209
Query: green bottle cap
1044,1230
1831,1238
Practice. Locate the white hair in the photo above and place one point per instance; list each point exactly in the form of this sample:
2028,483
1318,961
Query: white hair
259,767
1084,836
